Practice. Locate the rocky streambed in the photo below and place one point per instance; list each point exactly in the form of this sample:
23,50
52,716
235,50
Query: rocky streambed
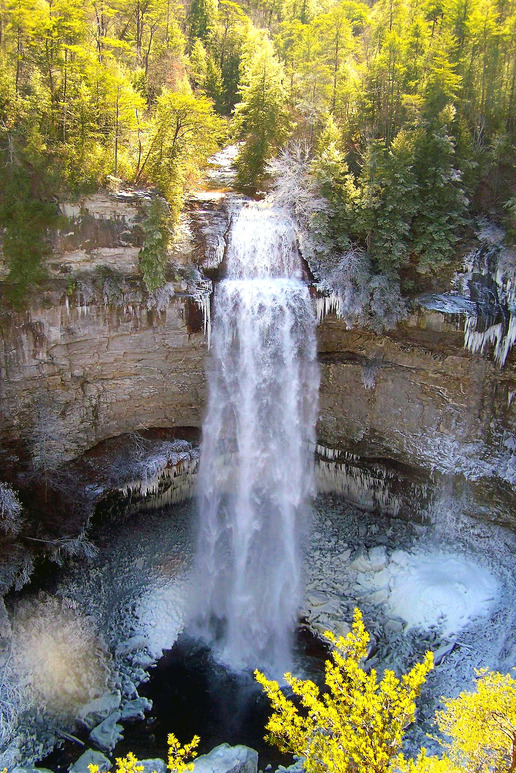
98,630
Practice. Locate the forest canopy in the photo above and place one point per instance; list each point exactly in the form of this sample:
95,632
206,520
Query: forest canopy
407,110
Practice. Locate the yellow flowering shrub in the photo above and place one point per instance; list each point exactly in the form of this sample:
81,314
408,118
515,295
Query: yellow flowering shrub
178,755
179,758
357,726
482,729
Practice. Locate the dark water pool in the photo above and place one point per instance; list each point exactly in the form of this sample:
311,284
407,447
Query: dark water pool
192,694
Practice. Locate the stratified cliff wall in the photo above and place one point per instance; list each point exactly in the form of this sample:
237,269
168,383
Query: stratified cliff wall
439,420
410,421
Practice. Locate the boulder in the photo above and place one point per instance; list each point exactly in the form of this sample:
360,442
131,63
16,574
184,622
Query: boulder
135,643
228,759
30,769
90,757
135,709
373,560
153,766
108,733
99,709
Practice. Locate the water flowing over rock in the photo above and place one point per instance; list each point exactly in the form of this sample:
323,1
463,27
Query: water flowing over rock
256,469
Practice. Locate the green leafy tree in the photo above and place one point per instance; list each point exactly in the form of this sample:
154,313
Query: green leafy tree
336,183
443,203
183,133
198,64
201,20
389,201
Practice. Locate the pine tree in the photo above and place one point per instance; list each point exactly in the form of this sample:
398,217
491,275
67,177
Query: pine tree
262,116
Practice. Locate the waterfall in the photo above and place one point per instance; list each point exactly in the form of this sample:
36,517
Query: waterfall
256,469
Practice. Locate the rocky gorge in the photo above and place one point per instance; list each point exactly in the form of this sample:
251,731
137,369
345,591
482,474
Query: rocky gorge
103,392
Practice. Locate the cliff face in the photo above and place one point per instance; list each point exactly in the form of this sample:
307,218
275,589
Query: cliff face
94,354
414,403
410,422
72,376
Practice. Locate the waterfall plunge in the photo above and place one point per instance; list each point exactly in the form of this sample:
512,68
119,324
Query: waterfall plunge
256,468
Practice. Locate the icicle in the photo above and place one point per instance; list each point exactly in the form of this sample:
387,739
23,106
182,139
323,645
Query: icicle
206,316
203,301
501,336
360,486
326,304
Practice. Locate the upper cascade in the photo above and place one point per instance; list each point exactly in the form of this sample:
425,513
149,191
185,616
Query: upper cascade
263,244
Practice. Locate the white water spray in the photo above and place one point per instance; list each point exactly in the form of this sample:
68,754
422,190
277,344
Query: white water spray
256,470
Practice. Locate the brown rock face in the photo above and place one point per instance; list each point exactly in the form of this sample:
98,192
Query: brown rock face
437,420
74,375
409,421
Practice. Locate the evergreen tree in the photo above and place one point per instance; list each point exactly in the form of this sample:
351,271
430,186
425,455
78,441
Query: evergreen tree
201,20
262,116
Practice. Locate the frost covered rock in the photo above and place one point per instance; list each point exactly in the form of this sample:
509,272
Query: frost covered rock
90,757
153,766
129,688
30,769
370,561
228,759
316,598
135,709
5,635
99,709
108,733
133,644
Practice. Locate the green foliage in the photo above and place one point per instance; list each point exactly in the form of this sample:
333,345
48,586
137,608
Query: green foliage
356,726
390,197
261,117
156,236
408,109
201,20
183,133
442,200
26,218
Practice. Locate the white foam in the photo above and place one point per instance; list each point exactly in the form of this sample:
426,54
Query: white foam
441,588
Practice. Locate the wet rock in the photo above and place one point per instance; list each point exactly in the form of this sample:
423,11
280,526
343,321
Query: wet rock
316,598
108,733
373,560
90,757
379,596
330,607
228,759
99,709
340,628
394,626
135,709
